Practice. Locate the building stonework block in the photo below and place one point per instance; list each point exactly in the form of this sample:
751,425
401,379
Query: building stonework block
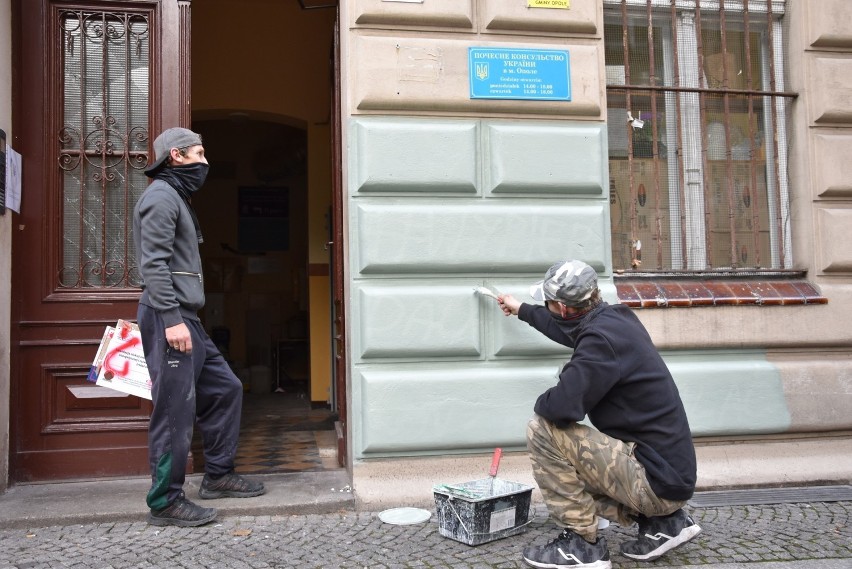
451,405
831,92
556,158
416,319
402,155
419,74
818,388
443,406
835,246
445,318
515,17
498,16
730,393
393,236
828,24
832,166
453,14
509,338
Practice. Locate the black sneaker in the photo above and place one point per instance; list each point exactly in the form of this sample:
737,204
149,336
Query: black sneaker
660,534
182,513
231,485
569,550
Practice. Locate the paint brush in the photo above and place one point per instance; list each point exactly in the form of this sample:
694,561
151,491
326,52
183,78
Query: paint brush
484,292
495,464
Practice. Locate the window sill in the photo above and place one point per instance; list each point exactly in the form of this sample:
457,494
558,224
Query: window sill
694,293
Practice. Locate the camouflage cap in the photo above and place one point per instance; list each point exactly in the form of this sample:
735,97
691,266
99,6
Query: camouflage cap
570,282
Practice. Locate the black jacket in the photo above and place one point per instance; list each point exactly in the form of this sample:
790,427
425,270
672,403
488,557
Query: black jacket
617,378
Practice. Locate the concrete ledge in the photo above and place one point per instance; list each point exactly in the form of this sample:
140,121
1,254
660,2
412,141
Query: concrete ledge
387,483
775,463
384,483
114,500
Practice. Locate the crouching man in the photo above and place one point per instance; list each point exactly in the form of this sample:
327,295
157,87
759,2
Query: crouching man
638,463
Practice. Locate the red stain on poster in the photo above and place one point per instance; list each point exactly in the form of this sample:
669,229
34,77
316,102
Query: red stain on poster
132,342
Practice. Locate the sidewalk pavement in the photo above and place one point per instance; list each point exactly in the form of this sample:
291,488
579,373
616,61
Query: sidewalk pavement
311,521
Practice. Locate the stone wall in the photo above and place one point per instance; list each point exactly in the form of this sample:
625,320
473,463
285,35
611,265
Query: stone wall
446,192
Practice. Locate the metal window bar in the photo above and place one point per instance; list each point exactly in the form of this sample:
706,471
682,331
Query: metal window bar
655,135
681,179
708,209
105,78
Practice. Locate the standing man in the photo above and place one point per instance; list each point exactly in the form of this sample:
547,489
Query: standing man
191,382
638,463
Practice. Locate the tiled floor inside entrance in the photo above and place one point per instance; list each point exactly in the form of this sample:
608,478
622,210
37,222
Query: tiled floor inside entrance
280,433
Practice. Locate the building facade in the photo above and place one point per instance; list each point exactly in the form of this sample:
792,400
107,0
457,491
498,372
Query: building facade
694,153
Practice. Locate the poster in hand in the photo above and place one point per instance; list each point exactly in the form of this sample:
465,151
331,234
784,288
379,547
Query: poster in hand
120,361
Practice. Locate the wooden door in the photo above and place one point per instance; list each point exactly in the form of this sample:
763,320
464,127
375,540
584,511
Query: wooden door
337,274
89,99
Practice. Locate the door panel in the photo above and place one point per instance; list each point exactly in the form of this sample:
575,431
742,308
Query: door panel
87,98
337,274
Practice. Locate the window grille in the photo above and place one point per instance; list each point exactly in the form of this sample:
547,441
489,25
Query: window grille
102,144
697,114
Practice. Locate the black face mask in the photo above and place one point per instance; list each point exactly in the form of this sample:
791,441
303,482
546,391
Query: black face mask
186,180
192,176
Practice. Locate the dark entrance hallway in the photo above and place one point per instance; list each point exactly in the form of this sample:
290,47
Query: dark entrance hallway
281,433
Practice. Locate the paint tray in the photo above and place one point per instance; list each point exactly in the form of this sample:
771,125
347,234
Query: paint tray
483,510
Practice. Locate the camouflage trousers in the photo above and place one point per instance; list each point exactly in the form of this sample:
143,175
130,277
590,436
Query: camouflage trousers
584,474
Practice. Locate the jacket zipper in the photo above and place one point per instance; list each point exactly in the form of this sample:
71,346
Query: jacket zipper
186,274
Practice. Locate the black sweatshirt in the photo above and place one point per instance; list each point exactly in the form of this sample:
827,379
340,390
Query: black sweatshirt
617,378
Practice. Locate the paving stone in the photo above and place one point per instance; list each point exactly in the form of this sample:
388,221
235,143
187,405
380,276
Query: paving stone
357,540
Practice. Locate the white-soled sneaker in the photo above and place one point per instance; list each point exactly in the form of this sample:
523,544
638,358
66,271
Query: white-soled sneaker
569,551
659,535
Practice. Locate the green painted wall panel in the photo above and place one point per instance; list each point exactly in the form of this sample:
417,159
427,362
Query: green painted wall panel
446,407
533,159
730,393
436,368
430,407
415,156
417,320
396,236
438,206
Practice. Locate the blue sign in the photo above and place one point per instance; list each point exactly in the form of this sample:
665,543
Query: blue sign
536,74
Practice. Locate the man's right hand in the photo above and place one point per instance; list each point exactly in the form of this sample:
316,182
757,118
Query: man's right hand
509,304
179,338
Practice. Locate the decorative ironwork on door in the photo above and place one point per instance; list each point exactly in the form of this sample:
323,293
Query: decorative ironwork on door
102,143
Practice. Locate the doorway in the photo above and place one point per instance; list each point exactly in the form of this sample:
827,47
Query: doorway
252,211
262,91
262,86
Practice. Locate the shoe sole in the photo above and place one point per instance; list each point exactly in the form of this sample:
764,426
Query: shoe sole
155,521
685,535
213,494
602,564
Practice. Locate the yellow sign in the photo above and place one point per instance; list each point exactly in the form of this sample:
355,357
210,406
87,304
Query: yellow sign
562,4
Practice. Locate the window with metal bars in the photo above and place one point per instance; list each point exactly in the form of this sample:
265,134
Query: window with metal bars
102,143
697,113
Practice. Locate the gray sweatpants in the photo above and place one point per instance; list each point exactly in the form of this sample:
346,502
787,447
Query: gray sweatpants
187,389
